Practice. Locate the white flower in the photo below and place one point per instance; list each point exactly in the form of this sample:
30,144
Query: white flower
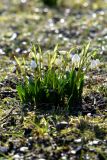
95,64
33,64
75,60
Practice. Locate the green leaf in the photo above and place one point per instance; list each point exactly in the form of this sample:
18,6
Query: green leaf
21,92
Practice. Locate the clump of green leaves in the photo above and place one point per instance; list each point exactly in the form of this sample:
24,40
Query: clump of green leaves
55,79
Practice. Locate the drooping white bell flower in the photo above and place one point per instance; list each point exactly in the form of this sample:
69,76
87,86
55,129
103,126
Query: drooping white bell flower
33,64
75,60
95,64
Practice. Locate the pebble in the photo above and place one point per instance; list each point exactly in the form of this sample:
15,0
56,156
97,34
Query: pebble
95,142
16,157
77,140
24,149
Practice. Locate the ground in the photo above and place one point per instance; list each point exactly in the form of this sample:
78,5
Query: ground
53,135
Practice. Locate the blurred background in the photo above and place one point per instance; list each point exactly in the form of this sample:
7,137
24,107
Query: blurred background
67,22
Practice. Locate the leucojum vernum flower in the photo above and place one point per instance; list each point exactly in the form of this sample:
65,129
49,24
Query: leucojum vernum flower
56,80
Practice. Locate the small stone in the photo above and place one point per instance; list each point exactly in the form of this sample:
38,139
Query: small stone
73,152
64,158
16,157
77,140
95,142
24,149
88,114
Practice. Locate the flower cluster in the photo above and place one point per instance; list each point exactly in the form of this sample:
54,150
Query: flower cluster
75,61
57,78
